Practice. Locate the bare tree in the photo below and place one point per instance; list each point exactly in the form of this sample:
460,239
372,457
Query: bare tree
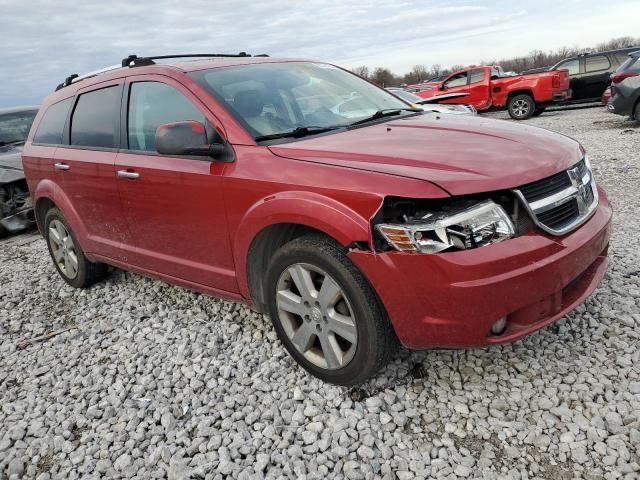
535,59
362,71
384,77
417,75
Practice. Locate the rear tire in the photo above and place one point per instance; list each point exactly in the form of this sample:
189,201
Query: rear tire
333,324
68,258
539,111
521,107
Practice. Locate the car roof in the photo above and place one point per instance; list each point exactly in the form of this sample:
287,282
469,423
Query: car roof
169,67
4,111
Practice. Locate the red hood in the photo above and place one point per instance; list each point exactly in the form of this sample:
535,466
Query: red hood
460,154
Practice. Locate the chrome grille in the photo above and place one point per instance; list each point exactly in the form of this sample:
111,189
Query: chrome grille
561,202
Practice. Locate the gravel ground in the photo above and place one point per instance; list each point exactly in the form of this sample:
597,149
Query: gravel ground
154,381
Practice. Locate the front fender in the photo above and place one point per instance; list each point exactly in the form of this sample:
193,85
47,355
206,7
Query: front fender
303,208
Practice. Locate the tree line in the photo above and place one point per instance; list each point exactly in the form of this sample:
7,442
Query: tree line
535,59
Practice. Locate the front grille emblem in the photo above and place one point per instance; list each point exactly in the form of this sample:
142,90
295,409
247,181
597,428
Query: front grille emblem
583,195
559,204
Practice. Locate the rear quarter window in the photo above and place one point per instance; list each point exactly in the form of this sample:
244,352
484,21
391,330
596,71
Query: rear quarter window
96,117
597,63
52,124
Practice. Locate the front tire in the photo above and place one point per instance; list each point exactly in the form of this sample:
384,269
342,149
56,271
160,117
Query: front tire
68,258
521,107
325,312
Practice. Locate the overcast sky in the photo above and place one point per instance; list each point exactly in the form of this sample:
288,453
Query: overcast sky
45,41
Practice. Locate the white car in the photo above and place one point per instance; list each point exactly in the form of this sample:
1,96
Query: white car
426,104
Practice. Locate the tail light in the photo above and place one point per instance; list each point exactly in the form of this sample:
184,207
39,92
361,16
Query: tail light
619,77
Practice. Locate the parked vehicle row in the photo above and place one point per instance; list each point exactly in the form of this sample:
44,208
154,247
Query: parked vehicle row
488,87
355,229
591,72
15,203
624,93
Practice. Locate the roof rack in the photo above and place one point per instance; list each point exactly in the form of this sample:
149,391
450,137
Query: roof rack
135,61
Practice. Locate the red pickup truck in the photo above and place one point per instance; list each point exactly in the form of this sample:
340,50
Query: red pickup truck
488,87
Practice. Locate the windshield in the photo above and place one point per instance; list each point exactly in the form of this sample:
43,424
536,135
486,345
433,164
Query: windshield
628,65
274,98
14,127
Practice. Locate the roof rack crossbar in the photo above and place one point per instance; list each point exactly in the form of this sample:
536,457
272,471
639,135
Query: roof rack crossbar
135,61
76,78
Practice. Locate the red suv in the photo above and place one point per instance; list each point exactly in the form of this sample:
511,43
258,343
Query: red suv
354,221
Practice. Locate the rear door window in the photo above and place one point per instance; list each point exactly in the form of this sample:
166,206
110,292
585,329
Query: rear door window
96,118
597,63
152,104
477,76
52,124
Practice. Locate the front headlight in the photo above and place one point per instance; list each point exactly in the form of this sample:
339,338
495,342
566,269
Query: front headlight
461,228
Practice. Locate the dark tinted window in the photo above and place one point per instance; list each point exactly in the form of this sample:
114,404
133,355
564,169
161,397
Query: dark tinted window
95,118
477,76
597,63
52,123
152,104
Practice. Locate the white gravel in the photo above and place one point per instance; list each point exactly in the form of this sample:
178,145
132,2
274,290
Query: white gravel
156,381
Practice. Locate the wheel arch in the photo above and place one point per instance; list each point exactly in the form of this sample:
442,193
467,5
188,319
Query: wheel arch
48,194
521,91
277,219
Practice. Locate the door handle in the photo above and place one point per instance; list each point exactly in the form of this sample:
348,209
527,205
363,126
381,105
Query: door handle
127,174
61,166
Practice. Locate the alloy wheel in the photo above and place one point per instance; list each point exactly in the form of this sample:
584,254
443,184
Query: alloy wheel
316,316
62,248
520,108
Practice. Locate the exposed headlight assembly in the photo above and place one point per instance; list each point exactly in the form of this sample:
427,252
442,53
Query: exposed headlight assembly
459,228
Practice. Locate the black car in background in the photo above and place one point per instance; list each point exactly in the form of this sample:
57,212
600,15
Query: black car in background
625,88
590,72
15,203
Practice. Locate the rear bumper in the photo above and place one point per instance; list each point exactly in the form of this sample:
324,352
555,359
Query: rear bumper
620,105
453,299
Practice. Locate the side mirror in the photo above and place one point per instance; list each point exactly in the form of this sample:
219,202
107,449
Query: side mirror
186,138
443,87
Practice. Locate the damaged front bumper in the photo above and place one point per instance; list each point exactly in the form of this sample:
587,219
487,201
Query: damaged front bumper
18,218
456,299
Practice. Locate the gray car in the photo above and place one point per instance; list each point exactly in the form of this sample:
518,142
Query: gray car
15,203
625,88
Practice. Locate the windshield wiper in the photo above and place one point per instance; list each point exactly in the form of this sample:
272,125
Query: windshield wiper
10,142
387,112
298,132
